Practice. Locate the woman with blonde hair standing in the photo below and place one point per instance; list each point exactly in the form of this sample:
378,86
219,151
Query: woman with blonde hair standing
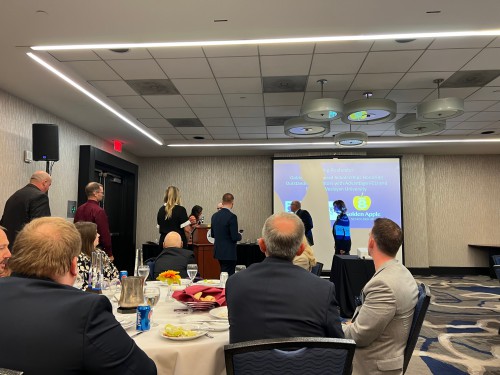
172,216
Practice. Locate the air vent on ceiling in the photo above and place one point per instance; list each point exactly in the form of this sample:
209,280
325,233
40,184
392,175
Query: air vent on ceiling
276,121
185,122
470,78
153,86
284,84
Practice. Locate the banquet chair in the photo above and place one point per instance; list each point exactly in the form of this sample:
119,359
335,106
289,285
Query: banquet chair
496,268
291,356
317,268
151,264
424,298
496,259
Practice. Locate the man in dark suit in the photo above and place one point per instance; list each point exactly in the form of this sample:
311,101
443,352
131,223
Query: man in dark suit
306,218
275,298
51,327
27,204
173,257
225,232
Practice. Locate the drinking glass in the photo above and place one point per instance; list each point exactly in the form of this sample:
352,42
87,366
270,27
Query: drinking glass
110,289
78,283
239,267
192,270
151,297
143,271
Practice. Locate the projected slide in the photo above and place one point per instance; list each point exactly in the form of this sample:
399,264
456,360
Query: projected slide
370,188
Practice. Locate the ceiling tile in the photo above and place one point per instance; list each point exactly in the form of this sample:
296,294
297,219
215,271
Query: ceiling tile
286,49
196,86
373,128
407,107
240,85
421,80
176,112
464,117
251,129
358,94
186,68
380,81
443,60
246,112
392,45
348,46
455,132
479,105
336,63
335,82
462,92
470,125
222,130
176,52
389,61
285,98
244,100
327,94
249,121
488,58
130,101
193,130
113,88
93,70
230,136
486,93
494,108
77,55
235,66
225,51
279,111
495,43
495,82
463,42
277,136
253,136
217,122
137,69
132,54
286,65
173,137
211,112
156,123
166,101
495,125
275,129
213,100
143,113
416,95
164,131
485,116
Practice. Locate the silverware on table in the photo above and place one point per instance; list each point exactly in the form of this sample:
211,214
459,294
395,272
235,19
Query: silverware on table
209,335
137,333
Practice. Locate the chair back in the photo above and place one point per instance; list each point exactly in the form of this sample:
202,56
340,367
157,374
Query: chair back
151,264
290,356
496,259
496,268
424,298
317,268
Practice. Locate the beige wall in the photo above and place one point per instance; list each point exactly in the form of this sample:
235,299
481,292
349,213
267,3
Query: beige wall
16,117
449,201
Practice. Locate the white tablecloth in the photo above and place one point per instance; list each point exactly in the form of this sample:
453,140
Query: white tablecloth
200,356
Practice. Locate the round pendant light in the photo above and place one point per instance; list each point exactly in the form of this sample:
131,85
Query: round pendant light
440,108
324,109
410,126
369,111
351,139
302,128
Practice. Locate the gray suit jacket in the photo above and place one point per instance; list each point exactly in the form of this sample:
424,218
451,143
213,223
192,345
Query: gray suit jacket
381,325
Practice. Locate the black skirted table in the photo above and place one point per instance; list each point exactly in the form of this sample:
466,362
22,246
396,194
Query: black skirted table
491,249
350,274
248,254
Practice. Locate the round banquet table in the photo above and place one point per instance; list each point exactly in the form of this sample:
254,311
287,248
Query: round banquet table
200,356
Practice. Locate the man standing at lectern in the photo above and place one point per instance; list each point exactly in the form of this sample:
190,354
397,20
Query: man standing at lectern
26,204
225,232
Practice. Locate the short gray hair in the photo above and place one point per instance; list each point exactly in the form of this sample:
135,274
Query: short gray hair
283,233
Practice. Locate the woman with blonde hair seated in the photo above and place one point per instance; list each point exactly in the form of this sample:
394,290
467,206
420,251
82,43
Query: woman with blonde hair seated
90,239
305,260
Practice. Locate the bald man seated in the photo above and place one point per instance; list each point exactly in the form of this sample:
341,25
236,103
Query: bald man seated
173,257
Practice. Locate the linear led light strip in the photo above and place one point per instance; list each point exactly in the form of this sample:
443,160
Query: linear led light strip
490,140
92,96
340,38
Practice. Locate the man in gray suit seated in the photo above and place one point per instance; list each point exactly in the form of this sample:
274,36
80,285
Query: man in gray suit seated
381,325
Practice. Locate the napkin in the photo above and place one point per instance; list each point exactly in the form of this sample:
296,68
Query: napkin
187,294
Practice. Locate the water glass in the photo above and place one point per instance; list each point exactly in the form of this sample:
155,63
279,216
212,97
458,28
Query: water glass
192,270
223,278
240,267
151,297
138,261
143,271
96,271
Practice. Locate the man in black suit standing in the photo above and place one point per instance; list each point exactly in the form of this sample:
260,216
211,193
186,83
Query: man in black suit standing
173,257
224,229
27,204
52,327
306,219
275,298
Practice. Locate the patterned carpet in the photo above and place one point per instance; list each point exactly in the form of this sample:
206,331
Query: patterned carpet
460,333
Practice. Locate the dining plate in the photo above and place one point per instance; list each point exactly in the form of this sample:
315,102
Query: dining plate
199,330
219,312
209,282
212,324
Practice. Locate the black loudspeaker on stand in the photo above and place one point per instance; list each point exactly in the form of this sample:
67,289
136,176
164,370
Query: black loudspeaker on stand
45,143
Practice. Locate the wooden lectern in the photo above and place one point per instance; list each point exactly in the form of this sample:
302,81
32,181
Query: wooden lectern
208,266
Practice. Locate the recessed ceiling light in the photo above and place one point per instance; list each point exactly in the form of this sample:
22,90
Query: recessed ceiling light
120,50
198,137
488,132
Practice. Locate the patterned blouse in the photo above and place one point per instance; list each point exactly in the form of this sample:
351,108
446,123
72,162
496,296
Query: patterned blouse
110,272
